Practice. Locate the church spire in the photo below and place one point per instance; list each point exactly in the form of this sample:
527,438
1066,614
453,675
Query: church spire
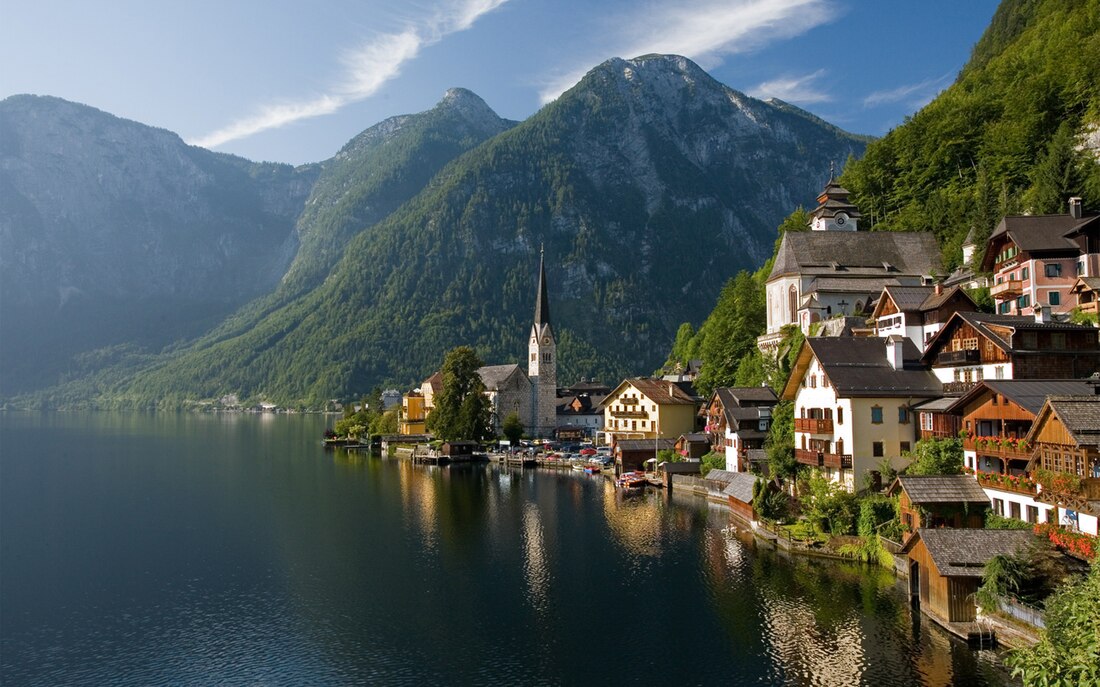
542,302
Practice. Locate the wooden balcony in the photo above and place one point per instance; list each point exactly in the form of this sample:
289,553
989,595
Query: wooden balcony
957,387
823,460
640,414
967,356
992,446
813,425
1017,484
1010,288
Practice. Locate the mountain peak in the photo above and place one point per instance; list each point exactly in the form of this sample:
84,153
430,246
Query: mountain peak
467,104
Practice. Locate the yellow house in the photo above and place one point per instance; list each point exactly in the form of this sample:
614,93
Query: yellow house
643,408
413,414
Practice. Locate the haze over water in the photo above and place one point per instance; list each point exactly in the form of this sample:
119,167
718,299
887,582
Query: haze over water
144,549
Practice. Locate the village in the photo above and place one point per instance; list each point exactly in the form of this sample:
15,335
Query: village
914,430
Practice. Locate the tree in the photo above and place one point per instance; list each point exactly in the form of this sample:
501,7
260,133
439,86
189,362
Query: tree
780,442
715,460
936,457
461,410
829,506
730,331
512,428
1067,652
385,423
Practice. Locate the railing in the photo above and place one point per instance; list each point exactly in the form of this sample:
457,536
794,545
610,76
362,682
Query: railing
1009,288
1021,611
821,459
1013,483
967,356
957,387
993,446
630,413
813,425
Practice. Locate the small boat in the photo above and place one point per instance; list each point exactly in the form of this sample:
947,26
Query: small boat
592,469
632,481
579,467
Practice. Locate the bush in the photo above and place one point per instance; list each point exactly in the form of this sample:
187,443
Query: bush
712,461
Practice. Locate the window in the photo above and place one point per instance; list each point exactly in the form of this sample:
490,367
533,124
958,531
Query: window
1023,301
1054,298
1033,514
1024,273
999,372
1053,269
1014,510
905,447
876,415
999,507
840,416
903,415
926,422
1080,268
792,302
876,449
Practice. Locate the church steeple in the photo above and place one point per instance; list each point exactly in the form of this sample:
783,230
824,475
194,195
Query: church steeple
542,301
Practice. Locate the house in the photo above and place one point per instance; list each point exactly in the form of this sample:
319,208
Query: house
934,420
853,403
413,414
1035,259
1066,437
965,275
737,419
632,454
692,446
739,492
836,270
390,398
579,414
935,501
918,312
946,565
644,408
975,346
1086,291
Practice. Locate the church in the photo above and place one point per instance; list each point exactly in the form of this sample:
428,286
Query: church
531,395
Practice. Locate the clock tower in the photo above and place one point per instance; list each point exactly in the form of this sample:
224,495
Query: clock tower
834,212
542,364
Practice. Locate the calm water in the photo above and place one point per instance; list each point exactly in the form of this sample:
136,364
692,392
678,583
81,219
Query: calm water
195,549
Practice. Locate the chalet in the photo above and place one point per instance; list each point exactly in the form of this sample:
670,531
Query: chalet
853,400
1066,437
918,312
1035,259
1086,291
737,419
975,346
934,420
946,565
579,415
644,408
836,270
935,501
692,446
632,454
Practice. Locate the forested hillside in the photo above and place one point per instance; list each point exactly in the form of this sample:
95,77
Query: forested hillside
1019,131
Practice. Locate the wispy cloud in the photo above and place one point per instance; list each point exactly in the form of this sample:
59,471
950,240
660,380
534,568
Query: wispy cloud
366,69
703,31
916,95
800,90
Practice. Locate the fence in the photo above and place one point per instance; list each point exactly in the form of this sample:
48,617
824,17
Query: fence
1022,612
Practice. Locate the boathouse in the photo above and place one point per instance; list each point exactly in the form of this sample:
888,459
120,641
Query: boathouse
933,501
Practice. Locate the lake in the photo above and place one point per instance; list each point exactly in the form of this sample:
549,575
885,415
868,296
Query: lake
169,549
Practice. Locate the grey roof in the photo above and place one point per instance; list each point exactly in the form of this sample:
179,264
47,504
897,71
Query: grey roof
856,253
1029,394
740,487
964,553
857,366
696,437
982,322
1081,417
542,301
871,285
1037,234
646,444
732,397
724,476
756,454
942,489
492,376
936,405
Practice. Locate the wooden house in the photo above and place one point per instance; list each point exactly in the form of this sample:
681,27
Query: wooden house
692,446
737,420
1087,292
632,454
739,492
975,346
1066,437
935,501
946,565
918,312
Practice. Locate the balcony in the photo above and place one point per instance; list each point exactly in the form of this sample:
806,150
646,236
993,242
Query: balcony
957,387
1018,484
639,414
967,356
1010,288
813,425
996,446
823,460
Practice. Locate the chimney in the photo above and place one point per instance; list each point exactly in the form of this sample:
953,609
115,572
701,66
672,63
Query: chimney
1042,314
938,288
1075,207
894,355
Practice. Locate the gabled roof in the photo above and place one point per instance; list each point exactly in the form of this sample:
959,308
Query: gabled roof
1029,394
436,381
857,367
1080,415
696,437
1086,284
646,444
984,324
724,476
940,489
740,486
656,390
964,552
856,253
1036,234
492,376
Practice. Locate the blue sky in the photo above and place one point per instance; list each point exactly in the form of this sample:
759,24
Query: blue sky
291,81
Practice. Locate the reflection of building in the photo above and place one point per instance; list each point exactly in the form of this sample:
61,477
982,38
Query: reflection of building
834,269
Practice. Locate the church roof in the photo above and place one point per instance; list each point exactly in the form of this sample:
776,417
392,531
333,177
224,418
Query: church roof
542,301
856,254
492,376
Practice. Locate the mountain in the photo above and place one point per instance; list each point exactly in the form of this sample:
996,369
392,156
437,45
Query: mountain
1018,131
119,237
649,184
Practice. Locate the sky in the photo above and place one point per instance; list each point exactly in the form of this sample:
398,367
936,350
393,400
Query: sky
292,81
